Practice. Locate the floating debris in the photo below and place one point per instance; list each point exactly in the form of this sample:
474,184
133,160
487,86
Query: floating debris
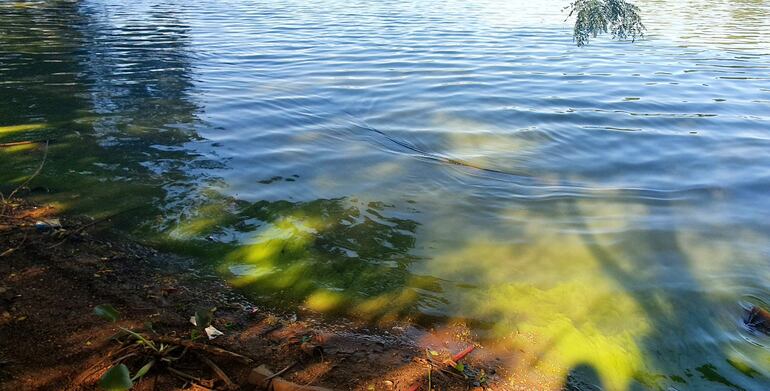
758,319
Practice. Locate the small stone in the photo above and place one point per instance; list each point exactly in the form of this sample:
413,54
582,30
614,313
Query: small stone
388,384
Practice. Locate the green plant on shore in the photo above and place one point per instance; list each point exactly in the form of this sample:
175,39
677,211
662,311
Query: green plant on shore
118,377
593,17
153,351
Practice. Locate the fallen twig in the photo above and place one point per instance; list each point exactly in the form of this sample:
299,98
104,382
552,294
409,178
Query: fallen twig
183,375
219,372
90,224
282,371
199,346
442,367
118,360
77,231
36,173
12,249
263,377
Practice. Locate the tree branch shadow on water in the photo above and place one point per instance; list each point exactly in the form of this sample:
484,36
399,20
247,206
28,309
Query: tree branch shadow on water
673,315
120,147
65,105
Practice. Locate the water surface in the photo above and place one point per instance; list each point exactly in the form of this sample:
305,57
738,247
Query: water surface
602,208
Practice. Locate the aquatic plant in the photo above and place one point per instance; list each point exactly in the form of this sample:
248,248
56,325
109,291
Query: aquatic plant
594,17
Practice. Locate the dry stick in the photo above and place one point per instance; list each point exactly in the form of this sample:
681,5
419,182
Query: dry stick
442,367
281,372
183,375
118,360
441,370
39,169
97,221
12,249
199,346
36,173
77,231
122,349
258,375
220,373
180,355
93,368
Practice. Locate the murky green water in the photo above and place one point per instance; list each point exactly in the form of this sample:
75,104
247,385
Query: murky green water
602,208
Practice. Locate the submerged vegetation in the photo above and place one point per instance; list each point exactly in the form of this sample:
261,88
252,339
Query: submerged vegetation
51,341
617,17
563,240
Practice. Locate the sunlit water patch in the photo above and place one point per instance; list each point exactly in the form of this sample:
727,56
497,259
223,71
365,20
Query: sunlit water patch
599,210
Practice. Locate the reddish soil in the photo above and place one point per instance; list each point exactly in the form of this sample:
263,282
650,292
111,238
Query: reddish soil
50,339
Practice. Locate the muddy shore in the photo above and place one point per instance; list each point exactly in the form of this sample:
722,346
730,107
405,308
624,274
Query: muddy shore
52,277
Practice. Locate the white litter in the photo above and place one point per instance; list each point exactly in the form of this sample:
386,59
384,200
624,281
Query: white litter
211,331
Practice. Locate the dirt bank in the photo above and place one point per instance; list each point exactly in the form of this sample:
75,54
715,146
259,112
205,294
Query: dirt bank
51,279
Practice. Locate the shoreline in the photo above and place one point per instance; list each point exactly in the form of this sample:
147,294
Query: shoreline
51,278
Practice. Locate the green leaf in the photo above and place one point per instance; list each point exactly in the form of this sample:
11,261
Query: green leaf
116,379
460,367
108,312
433,353
143,370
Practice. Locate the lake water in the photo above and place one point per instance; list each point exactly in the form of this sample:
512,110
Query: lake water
599,210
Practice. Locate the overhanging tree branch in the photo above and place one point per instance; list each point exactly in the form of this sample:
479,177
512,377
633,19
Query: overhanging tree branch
594,17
